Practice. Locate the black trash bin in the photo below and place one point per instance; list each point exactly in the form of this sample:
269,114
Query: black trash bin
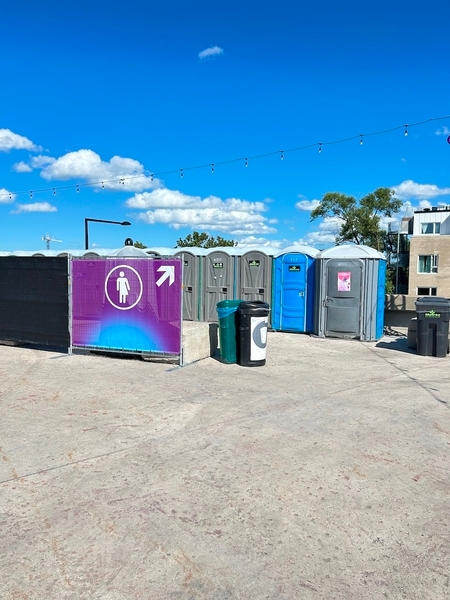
432,326
253,324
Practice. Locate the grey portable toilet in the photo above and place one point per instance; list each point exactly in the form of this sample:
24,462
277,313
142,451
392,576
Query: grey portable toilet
254,281
191,284
218,281
349,295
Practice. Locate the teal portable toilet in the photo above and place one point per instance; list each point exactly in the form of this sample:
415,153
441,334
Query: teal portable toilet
293,289
350,292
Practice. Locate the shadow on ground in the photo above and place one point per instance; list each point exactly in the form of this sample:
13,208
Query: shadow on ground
400,344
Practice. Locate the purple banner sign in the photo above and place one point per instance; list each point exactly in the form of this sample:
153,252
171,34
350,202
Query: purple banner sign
127,304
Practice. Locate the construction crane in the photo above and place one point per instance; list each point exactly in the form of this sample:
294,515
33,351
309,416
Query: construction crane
48,238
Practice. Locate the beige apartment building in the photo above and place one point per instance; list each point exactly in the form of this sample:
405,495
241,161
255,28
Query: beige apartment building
429,258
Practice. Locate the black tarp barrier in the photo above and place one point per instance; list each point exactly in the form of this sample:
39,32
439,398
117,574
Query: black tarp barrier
34,300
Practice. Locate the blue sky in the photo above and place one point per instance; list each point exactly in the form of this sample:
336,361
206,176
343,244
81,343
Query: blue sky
114,92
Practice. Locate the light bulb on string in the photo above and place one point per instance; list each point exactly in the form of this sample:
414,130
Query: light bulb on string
151,176
361,140
181,173
54,192
212,167
78,189
406,130
103,185
31,194
246,162
320,147
281,154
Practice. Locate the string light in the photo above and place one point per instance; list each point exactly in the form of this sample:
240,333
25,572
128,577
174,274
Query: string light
212,167
78,189
234,160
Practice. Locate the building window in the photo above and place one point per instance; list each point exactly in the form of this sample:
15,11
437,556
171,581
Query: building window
426,291
428,263
428,228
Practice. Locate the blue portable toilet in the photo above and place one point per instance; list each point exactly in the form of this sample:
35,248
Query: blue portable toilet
293,289
350,293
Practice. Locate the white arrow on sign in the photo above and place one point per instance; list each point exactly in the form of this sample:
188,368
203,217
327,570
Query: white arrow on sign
168,273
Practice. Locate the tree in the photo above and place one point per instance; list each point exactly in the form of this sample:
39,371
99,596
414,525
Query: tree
139,245
203,240
359,223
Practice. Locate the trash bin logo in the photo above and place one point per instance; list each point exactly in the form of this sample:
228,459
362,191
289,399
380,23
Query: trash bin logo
431,314
258,331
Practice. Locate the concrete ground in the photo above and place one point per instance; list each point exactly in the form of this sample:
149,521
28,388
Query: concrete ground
322,475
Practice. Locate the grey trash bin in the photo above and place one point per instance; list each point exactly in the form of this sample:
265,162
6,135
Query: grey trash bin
433,315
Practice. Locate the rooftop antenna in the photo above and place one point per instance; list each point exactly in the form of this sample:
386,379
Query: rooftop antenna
48,238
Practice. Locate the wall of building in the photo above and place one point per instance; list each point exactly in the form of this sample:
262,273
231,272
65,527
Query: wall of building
429,245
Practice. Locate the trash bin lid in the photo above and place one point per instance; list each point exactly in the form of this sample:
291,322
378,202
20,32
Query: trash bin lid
228,303
427,302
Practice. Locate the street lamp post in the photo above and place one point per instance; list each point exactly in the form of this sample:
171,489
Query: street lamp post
86,231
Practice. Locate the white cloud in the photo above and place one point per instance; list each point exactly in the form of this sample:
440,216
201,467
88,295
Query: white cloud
408,189
232,216
307,205
212,51
443,131
252,241
13,141
6,197
425,204
35,207
117,174
21,167
328,231
39,162
165,198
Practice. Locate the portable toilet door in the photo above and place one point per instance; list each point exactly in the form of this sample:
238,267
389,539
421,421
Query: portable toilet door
191,291
255,276
218,282
293,291
343,300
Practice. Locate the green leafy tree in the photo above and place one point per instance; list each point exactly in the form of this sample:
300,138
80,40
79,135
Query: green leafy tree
203,240
359,222
139,245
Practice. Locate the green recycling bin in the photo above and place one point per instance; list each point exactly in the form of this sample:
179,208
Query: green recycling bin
227,311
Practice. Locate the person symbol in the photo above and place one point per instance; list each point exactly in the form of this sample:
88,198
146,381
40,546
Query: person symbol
123,287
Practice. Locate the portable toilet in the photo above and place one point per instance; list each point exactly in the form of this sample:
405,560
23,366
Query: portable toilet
350,290
218,281
192,303
255,275
293,289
